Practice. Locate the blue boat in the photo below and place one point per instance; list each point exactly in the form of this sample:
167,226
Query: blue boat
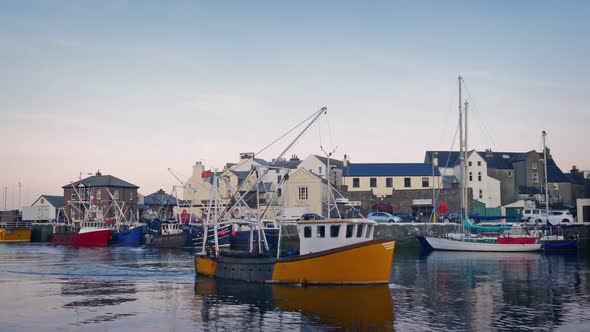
133,235
241,240
554,239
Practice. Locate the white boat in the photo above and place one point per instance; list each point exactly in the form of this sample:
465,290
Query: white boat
490,239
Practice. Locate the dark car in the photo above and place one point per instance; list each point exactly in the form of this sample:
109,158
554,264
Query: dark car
406,217
311,216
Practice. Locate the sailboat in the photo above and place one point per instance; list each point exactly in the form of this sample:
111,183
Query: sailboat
473,237
331,251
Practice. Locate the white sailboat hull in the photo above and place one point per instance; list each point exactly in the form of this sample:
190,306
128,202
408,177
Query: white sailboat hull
438,243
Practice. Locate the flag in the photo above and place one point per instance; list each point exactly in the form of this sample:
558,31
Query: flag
206,174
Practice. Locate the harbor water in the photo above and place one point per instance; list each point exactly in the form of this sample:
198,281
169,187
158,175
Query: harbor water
59,288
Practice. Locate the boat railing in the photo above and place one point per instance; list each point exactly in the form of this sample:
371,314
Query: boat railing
17,225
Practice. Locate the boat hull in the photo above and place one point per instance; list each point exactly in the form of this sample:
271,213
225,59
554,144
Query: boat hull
92,238
15,235
166,241
560,245
365,263
436,243
130,236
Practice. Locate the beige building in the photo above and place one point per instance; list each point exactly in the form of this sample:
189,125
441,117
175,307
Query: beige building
305,190
382,179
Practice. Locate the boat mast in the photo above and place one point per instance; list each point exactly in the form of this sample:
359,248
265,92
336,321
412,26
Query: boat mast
544,134
466,164
461,156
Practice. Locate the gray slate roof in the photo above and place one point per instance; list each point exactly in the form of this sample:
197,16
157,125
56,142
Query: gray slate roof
102,181
405,169
55,201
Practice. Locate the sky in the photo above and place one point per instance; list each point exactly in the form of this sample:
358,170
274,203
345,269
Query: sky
133,88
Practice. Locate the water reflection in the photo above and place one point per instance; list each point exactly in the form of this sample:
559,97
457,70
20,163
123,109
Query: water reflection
285,307
489,291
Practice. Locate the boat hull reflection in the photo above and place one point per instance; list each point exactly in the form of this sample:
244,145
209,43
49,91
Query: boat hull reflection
363,307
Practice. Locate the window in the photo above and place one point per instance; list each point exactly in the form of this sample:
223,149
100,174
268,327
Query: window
307,231
280,192
349,228
131,195
321,231
480,193
389,182
534,165
470,164
303,194
479,163
73,196
407,182
334,230
509,174
479,176
535,177
470,176
369,230
373,182
116,194
320,170
359,230
279,178
356,182
98,194
556,186
424,182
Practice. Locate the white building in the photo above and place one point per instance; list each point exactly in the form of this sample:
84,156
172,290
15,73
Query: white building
43,209
318,164
485,188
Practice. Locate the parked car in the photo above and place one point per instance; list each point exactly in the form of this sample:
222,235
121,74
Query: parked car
454,217
406,217
311,216
560,216
533,215
384,217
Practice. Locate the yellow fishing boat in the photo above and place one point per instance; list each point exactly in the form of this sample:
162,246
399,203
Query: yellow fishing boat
333,251
15,231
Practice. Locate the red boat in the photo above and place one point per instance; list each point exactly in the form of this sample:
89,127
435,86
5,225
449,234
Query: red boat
89,234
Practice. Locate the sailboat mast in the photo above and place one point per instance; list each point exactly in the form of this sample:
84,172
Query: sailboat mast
461,170
544,133
466,163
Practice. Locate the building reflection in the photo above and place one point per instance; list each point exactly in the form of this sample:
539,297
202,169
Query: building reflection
285,306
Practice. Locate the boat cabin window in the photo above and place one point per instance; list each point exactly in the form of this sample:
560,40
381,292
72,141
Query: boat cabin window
321,231
349,230
334,230
359,230
307,231
369,230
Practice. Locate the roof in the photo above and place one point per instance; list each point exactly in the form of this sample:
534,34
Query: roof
554,174
530,190
445,158
336,162
291,164
499,160
405,169
159,199
573,178
102,181
56,201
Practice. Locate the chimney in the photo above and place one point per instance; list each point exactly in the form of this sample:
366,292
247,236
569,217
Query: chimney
489,153
98,173
161,192
574,170
345,161
435,159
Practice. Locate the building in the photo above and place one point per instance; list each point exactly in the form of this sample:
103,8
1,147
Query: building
318,164
159,205
383,179
102,191
43,209
305,189
520,175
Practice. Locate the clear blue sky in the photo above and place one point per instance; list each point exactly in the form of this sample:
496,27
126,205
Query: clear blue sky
134,87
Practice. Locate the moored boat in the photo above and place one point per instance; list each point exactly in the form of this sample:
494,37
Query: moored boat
85,233
332,251
15,231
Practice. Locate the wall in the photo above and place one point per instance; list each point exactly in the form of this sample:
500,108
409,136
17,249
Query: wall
507,184
398,183
104,202
316,191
